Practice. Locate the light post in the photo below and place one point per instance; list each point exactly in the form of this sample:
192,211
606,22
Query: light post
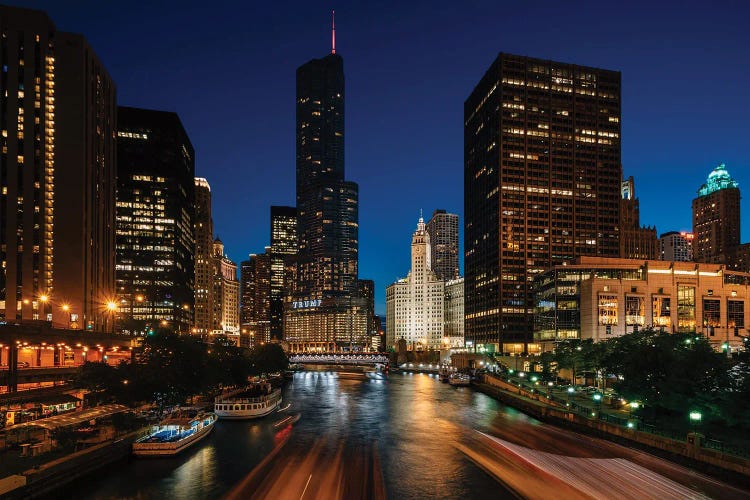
550,384
695,418
571,390
44,299
112,308
138,298
598,400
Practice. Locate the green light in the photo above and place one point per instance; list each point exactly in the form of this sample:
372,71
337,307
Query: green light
571,390
510,371
696,416
597,397
630,425
634,404
718,179
534,378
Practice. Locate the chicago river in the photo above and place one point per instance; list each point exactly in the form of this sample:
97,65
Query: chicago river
405,436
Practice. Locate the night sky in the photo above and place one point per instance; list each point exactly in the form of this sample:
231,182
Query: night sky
228,69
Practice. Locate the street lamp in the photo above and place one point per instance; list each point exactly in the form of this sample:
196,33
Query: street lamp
112,308
44,299
571,390
598,400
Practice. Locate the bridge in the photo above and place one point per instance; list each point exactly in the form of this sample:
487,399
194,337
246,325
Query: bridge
37,353
352,359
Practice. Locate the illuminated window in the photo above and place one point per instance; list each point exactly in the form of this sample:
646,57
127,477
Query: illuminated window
635,310
607,309
685,308
661,311
735,314
711,314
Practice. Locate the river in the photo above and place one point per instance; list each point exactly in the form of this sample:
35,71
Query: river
407,436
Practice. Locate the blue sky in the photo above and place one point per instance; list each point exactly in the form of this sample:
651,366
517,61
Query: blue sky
228,69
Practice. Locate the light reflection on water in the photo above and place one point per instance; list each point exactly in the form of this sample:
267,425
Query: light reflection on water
412,421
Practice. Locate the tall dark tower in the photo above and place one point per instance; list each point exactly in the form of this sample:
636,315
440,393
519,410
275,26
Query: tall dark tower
542,185
155,214
325,295
282,253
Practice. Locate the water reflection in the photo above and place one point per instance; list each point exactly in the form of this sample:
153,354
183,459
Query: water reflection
407,424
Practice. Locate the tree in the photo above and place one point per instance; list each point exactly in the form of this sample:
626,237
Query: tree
268,358
99,378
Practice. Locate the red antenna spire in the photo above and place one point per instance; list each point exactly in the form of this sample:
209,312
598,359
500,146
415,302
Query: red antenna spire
333,32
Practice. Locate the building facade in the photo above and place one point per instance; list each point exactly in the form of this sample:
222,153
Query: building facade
443,230
226,316
542,180
454,313
155,221
716,218
636,241
599,298
57,171
282,252
256,281
204,250
676,246
414,305
327,218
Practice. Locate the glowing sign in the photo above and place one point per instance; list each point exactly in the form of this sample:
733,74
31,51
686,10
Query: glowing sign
305,304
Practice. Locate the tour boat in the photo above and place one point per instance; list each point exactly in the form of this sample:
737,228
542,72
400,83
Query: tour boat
255,401
444,373
459,380
182,429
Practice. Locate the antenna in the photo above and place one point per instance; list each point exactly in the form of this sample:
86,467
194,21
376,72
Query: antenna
333,32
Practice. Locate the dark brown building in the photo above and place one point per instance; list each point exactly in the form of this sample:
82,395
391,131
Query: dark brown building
57,170
542,177
636,241
716,218
204,267
255,299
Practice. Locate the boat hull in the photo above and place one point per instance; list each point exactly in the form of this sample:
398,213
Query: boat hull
171,449
267,407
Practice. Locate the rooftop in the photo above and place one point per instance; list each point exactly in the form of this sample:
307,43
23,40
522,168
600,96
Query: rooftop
718,179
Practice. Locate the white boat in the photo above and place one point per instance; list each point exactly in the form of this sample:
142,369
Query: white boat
182,429
254,402
459,380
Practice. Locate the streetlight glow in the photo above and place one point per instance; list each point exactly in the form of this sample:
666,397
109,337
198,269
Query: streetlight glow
696,416
111,305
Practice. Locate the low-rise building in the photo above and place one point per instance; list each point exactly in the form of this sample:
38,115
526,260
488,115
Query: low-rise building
600,298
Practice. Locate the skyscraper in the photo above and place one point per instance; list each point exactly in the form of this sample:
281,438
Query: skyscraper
226,317
283,249
57,174
255,302
636,241
155,213
414,305
204,250
443,231
716,218
541,186
324,307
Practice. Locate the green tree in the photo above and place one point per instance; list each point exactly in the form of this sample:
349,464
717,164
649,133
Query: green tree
98,378
268,358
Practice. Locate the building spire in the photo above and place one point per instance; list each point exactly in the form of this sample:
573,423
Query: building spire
333,32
